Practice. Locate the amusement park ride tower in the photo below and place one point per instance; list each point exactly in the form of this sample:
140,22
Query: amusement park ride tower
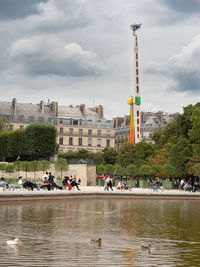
135,101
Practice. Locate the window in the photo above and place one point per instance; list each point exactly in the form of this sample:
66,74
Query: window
75,122
108,143
71,141
80,141
108,133
150,135
41,119
89,132
89,122
50,120
21,118
80,131
31,119
70,130
89,141
61,121
11,126
98,132
98,142
21,126
61,130
61,141
67,122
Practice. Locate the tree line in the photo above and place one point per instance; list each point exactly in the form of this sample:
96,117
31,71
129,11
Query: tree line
36,141
176,152
60,165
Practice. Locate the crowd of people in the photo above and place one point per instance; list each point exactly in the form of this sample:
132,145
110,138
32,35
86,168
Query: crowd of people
188,185
48,182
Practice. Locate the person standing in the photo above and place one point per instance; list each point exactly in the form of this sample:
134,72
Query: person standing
109,184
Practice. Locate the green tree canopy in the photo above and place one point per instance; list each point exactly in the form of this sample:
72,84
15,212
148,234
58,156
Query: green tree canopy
40,141
168,170
10,168
4,124
144,170
44,165
101,169
131,170
109,169
143,151
61,165
156,169
179,153
109,155
126,155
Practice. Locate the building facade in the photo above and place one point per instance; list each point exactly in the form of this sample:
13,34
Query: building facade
77,127
150,123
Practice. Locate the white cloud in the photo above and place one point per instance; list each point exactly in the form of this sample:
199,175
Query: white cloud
49,56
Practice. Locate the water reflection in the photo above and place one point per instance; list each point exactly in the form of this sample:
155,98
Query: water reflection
58,233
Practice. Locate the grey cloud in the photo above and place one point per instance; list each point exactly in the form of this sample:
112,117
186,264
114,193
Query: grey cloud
13,9
184,6
184,67
50,56
59,15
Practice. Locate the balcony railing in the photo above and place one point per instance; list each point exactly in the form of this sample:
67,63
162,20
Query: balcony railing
67,133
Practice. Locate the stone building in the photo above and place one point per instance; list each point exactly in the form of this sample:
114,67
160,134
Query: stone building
150,123
78,127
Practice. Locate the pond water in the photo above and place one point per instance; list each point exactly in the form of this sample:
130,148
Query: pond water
58,233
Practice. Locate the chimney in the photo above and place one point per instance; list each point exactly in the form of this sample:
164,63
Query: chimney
82,109
14,106
100,111
54,108
42,107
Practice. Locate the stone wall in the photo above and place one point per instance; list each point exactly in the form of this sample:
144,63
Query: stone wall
87,173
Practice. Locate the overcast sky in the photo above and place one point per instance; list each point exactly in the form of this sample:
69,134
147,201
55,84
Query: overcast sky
81,51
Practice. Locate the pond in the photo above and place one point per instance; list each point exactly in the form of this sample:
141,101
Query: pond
58,232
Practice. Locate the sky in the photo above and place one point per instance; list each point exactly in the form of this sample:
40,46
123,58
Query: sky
81,52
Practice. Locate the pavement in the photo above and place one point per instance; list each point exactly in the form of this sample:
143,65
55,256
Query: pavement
96,191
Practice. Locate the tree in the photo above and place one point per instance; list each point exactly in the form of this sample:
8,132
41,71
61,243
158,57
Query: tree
196,169
2,167
25,165
168,170
3,143
34,167
119,170
40,141
143,151
15,143
161,156
43,165
83,154
18,166
131,170
144,170
101,169
155,169
109,169
9,168
164,135
98,158
61,165
109,155
4,124
126,155
184,121
179,152
194,132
